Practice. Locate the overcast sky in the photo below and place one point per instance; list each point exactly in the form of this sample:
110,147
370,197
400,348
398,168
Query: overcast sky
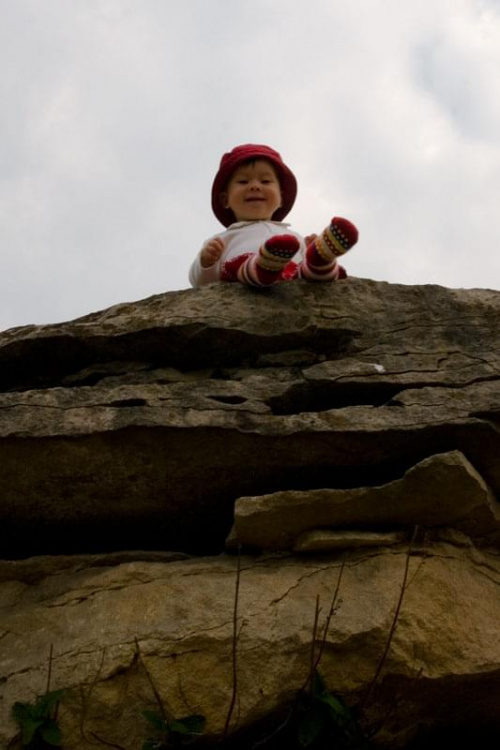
115,114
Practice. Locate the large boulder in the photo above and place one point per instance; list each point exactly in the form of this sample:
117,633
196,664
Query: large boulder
327,433
178,617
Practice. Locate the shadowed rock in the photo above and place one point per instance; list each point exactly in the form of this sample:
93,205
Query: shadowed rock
331,541
443,490
152,418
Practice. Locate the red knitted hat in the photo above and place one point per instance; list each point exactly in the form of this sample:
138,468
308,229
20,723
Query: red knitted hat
244,153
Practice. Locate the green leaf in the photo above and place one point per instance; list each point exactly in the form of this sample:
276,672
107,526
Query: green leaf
311,726
338,708
194,724
23,712
45,703
51,733
156,720
28,729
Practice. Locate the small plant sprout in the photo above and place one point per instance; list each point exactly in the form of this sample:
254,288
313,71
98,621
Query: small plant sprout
172,733
38,721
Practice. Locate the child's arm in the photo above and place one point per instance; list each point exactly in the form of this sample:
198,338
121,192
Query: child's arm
205,267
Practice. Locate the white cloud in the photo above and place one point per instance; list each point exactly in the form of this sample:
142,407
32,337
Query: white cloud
116,113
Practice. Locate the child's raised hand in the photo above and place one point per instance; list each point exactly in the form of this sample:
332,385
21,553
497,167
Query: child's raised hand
211,252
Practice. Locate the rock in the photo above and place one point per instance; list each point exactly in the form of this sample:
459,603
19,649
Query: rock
34,569
328,541
439,491
333,416
154,417
181,615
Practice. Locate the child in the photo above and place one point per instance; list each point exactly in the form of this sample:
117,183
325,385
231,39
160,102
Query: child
251,194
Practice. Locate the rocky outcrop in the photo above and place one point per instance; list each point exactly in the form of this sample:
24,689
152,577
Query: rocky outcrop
444,653
322,430
153,417
443,490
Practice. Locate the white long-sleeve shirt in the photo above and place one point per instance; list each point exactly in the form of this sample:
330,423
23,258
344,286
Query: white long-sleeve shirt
241,237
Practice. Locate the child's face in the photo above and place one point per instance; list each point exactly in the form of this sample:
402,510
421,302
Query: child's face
253,192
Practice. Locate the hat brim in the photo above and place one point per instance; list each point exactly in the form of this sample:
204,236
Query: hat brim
288,186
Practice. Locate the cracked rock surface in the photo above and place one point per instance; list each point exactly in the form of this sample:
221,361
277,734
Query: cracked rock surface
181,616
155,416
321,427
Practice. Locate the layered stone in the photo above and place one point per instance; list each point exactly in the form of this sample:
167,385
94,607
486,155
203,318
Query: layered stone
156,416
355,426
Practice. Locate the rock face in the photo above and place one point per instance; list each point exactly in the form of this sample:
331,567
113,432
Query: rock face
348,430
441,490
